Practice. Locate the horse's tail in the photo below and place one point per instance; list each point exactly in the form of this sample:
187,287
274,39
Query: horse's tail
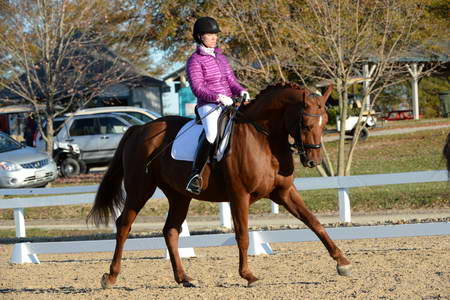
446,152
110,195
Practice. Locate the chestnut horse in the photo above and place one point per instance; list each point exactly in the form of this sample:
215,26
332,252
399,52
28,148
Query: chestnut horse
446,152
260,165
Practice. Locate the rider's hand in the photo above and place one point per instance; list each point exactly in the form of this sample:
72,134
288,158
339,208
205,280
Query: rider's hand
245,96
225,100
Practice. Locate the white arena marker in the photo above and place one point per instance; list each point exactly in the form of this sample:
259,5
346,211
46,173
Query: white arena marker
21,255
256,244
26,252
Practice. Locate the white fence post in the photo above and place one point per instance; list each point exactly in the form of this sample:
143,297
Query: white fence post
19,219
225,214
275,208
344,206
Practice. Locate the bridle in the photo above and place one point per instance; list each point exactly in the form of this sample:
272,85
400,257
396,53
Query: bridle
298,144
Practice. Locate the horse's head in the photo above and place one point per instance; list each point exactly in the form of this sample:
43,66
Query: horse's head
305,124
303,116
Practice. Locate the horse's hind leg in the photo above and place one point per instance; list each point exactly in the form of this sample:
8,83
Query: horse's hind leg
292,201
134,202
178,208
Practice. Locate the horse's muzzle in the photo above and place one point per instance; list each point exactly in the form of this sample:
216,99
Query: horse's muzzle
311,163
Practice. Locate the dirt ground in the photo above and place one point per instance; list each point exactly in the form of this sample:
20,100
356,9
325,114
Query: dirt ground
400,268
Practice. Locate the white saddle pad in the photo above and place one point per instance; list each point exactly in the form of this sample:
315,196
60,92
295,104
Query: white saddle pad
186,142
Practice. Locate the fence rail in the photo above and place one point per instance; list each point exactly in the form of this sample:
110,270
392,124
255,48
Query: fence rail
86,194
26,252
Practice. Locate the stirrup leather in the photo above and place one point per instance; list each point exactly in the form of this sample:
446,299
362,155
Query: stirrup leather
194,185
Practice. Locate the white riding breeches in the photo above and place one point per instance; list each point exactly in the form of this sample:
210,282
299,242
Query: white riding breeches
209,113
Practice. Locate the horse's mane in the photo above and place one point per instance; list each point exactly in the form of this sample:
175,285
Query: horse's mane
276,86
283,85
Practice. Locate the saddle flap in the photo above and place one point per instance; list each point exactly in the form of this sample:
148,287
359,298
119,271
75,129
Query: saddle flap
184,148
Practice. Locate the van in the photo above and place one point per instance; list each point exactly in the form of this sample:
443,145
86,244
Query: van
97,135
142,114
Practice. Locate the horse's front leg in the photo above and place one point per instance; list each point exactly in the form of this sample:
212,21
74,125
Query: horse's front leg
239,211
292,201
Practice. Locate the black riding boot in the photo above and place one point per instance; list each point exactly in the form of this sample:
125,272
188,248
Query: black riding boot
201,157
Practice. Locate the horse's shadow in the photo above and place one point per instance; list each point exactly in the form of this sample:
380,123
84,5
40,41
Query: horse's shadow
70,290
66,290
102,259
262,283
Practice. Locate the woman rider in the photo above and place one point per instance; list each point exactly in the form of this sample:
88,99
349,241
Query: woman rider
213,83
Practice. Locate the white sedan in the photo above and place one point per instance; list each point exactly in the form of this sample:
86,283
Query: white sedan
22,166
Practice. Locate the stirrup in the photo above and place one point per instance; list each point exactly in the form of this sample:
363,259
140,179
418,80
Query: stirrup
194,185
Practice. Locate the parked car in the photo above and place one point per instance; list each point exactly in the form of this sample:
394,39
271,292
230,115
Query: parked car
352,121
67,158
398,115
22,166
142,114
97,135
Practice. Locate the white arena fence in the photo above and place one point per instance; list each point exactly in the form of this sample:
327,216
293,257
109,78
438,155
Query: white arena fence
26,252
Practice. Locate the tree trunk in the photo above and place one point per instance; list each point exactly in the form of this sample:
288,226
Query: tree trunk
355,139
49,134
326,161
343,106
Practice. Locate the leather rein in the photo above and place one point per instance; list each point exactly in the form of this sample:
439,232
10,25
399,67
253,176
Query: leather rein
298,144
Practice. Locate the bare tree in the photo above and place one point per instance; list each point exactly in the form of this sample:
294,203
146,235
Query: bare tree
55,56
256,47
345,39
316,40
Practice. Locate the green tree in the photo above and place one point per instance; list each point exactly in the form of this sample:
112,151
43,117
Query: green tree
430,87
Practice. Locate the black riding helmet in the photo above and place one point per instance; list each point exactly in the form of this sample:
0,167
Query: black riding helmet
204,25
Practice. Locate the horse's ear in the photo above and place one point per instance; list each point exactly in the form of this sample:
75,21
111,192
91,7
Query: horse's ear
304,94
327,94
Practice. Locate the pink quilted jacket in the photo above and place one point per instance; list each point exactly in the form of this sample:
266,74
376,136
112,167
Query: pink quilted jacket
210,76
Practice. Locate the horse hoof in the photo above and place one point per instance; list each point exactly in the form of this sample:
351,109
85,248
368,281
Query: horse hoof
344,270
252,282
106,284
188,284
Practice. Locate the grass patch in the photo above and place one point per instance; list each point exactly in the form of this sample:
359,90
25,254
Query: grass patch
410,152
418,151
35,232
399,196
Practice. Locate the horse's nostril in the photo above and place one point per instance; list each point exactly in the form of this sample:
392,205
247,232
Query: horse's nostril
311,163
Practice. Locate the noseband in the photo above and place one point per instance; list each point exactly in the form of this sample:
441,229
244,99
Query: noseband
298,142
